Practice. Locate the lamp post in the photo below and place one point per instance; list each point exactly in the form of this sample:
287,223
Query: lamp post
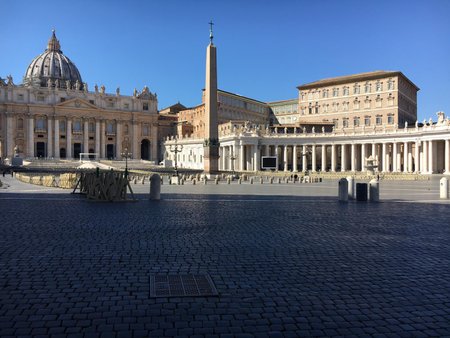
126,155
176,148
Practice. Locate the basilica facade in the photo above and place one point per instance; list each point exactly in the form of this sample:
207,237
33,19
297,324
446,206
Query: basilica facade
52,114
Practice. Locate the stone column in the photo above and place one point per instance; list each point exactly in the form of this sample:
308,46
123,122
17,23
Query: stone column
56,145
134,139
103,139
405,157
313,159
50,152
363,157
430,157
383,157
285,158
416,157
118,140
267,150
294,159
153,144
277,156
69,139
256,157
353,159
333,157
304,159
343,157
394,157
86,137
447,157
373,151
242,158
324,158
10,136
230,154
97,137
30,140
424,157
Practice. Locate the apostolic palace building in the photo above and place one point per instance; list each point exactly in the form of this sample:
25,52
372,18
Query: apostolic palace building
334,124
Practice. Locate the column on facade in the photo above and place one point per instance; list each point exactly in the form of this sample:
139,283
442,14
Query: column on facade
304,159
410,157
285,158
30,138
10,136
153,144
417,157
267,150
277,155
405,157
256,157
50,152
430,157
97,137
242,158
333,157
324,157
119,140
394,157
313,159
69,138
134,139
230,155
103,138
447,157
424,166
353,157
373,151
383,158
363,157
294,158
86,136
56,134
343,157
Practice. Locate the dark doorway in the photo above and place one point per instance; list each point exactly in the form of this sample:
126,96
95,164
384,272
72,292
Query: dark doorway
76,150
91,156
40,149
62,153
110,151
145,149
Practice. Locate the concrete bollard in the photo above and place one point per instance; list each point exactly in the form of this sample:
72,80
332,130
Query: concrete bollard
374,191
240,180
343,190
205,180
279,180
251,180
194,181
182,181
216,181
228,180
271,180
443,187
351,188
134,180
155,187
143,180
261,180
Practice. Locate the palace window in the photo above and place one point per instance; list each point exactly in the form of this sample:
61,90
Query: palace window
316,108
345,122
335,106
356,104
145,106
335,92
356,89
390,84
310,109
379,120
379,86
390,119
367,87
367,121
345,91
325,108
325,93
390,100
316,94
345,106
303,110
356,122
378,101
367,103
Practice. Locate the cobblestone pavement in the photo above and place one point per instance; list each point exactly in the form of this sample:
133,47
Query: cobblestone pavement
283,266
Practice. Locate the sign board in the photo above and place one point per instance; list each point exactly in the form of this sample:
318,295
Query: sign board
269,162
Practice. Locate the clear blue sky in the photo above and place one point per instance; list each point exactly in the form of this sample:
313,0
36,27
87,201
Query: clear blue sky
265,48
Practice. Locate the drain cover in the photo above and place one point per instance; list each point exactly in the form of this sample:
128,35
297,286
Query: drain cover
181,286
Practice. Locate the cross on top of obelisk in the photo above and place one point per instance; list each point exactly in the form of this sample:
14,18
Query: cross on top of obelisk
211,23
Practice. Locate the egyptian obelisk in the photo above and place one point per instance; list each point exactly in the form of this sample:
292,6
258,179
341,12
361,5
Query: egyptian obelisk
211,143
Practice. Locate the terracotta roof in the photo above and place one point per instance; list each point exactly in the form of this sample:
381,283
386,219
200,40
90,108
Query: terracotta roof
354,78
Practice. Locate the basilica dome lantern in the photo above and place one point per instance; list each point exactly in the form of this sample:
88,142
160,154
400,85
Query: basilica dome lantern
53,69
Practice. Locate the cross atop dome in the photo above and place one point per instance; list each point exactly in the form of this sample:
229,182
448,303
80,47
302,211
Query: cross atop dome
53,44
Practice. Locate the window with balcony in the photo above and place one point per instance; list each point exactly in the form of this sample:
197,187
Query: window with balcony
390,119
345,91
356,89
325,93
391,84
367,87
356,121
335,92
367,121
379,120
345,122
379,86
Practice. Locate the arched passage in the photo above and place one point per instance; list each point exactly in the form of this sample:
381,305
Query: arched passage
145,149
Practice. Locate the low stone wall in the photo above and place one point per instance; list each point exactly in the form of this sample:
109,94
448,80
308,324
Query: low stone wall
65,181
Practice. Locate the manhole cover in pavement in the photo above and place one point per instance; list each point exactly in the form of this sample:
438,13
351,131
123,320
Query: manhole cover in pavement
181,286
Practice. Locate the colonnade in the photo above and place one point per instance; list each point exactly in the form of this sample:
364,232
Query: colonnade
408,156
